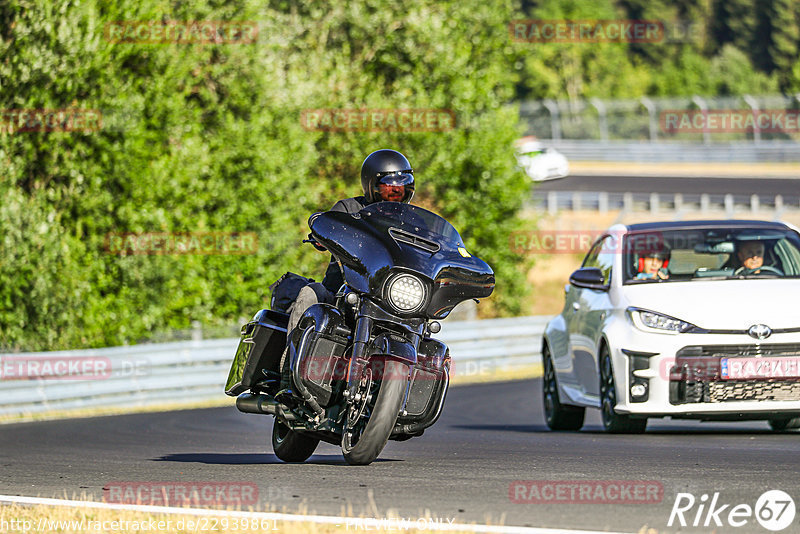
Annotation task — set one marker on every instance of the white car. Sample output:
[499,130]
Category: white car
[539,162]
[713,334]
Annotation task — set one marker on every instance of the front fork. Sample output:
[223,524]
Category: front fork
[358,358]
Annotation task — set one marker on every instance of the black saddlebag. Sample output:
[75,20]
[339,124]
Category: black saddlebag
[258,356]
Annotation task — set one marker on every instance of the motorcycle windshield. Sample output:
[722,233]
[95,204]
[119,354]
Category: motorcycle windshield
[413,219]
[389,236]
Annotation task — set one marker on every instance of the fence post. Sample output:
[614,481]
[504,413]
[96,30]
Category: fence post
[750,101]
[651,113]
[197,331]
[678,202]
[704,108]
[754,203]
[729,206]
[555,119]
[552,202]
[601,111]
[778,206]
[576,201]
[627,202]
[705,201]
[654,201]
[602,202]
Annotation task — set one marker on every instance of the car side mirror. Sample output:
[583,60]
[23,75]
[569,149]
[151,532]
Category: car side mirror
[588,278]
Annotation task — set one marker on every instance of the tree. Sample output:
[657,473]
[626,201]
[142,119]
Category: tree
[776,45]
[209,138]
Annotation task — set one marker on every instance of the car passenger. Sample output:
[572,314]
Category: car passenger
[652,265]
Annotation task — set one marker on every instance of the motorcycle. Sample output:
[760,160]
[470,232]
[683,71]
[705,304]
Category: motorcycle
[364,369]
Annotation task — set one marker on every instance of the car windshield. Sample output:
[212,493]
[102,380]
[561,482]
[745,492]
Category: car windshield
[655,256]
[412,218]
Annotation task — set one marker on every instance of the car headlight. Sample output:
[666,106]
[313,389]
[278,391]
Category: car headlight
[406,292]
[651,321]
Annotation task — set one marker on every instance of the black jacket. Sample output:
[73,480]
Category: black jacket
[333,276]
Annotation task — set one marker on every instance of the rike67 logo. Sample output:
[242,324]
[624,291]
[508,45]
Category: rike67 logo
[774,510]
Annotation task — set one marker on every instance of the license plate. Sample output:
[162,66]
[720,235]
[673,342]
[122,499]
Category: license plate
[743,368]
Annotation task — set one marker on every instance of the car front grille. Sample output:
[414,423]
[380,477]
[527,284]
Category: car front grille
[757,390]
[696,378]
[731,391]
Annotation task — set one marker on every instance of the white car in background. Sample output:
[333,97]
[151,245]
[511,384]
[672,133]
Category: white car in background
[539,162]
[704,337]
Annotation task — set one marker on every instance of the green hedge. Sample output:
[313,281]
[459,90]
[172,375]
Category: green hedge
[208,138]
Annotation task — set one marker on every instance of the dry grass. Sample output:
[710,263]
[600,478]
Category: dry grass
[727,170]
[497,375]
[82,520]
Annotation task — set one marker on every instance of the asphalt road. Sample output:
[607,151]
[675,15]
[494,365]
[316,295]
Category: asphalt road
[764,187]
[489,436]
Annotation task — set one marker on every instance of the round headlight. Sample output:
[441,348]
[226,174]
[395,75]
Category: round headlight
[406,292]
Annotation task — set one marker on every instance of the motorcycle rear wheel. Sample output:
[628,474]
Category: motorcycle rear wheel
[382,419]
[291,446]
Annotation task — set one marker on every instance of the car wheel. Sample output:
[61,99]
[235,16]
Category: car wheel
[612,421]
[781,425]
[558,416]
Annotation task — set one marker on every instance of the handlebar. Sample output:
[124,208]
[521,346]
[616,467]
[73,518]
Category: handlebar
[315,243]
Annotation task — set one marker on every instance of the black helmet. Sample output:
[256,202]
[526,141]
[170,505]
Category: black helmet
[387,175]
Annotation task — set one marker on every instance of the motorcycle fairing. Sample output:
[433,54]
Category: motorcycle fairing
[389,235]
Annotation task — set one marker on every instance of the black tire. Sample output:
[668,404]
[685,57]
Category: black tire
[557,416]
[613,422]
[383,417]
[781,425]
[291,446]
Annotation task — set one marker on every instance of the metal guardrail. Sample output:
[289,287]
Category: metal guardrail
[142,375]
[732,205]
[677,152]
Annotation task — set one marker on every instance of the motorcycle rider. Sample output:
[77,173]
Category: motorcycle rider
[386,175]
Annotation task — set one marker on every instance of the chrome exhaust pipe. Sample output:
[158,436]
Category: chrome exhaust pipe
[262,404]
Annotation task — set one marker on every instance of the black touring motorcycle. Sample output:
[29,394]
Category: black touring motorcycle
[364,370]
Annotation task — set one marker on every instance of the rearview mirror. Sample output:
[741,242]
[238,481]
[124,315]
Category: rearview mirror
[588,278]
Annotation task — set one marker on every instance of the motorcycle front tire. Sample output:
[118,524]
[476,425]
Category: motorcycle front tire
[383,417]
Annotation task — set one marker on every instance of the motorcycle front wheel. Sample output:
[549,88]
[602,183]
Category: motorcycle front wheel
[363,442]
